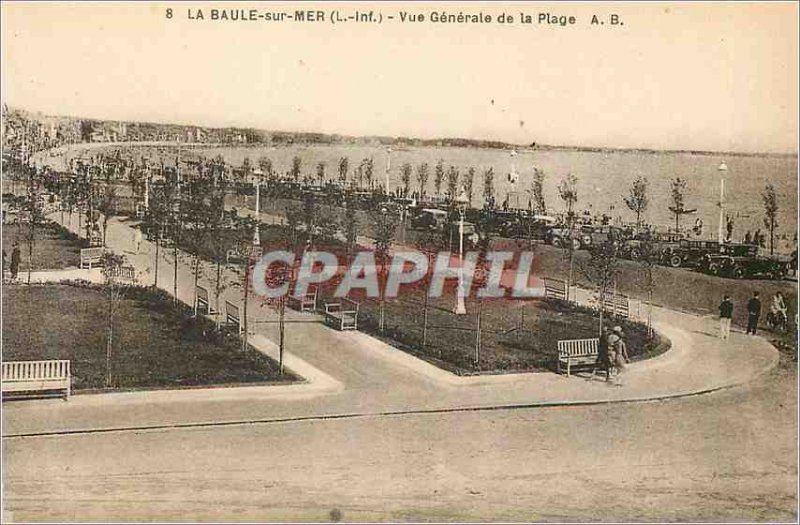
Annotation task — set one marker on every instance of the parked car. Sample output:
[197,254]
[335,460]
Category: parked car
[658,242]
[742,261]
[582,237]
[427,219]
[688,253]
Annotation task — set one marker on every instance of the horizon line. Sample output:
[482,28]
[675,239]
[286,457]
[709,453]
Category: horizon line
[568,147]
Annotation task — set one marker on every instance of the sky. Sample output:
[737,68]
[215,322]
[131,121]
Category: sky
[719,77]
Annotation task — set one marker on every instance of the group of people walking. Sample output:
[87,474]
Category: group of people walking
[777,316]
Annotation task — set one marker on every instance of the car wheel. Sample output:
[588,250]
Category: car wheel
[737,272]
[675,261]
[713,269]
[779,273]
[556,241]
[636,254]
[576,244]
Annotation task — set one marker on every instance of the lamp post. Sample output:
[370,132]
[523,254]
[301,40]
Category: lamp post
[461,203]
[256,235]
[722,169]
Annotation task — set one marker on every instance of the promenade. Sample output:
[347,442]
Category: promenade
[353,375]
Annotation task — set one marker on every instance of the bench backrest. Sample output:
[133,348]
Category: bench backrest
[618,304]
[555,288]
[202,294]
[35,370]
[231,313]
[578,347]
[92,253]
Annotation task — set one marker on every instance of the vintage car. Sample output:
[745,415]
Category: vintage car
[654,243]
[688,253]
[742,260]
[427,219]
[583,236]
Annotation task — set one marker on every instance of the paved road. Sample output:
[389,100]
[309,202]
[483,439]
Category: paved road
[729,455]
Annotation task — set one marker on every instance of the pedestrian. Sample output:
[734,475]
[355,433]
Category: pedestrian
[753,313]
[137,239]
[15,258]
[603,358]
[725,316]
[748,237]
[618,352]
[5,256]
[777,311]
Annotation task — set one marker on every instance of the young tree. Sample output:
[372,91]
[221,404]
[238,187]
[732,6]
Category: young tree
[488,187]
[678,207]
[384,226]
[637,199]
[770,214]
[422,178]
[369,170]
[438,177]
[34,211]
[321,173]
[452,182]
[296,163]
[343,167]
[537,190]
[601,270]
[469,181]
[350,227]
[405,178]
[107,206]
[247,168]
[115,288]
[568,191]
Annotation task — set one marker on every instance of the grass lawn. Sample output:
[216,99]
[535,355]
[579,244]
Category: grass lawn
[55,247]
[515,335]
[156,344]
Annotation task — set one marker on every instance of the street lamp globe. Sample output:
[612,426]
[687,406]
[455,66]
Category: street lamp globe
[722,166]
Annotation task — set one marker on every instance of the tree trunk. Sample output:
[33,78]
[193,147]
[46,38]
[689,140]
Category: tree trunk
[282,332]
[217,292]
[158,245]
[244,305]
[175,271]
[196,278]
[478,335]
[425,318]
[109,342]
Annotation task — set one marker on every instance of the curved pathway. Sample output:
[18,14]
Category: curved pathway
[350,374]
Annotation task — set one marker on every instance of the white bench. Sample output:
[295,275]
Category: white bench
[306,303]
[555,289]
[33,376]
[232,319]
[90,256]
[577,352]
[617,304]
[202,302]
[342,315]
[125,274]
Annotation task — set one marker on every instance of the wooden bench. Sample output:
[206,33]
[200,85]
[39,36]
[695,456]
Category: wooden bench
[124,274]
[618,305]
[34,376]
[342,315]
[202,303]
[232,319]
[577,352]
[90,256]
[555,288]
[306,303]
